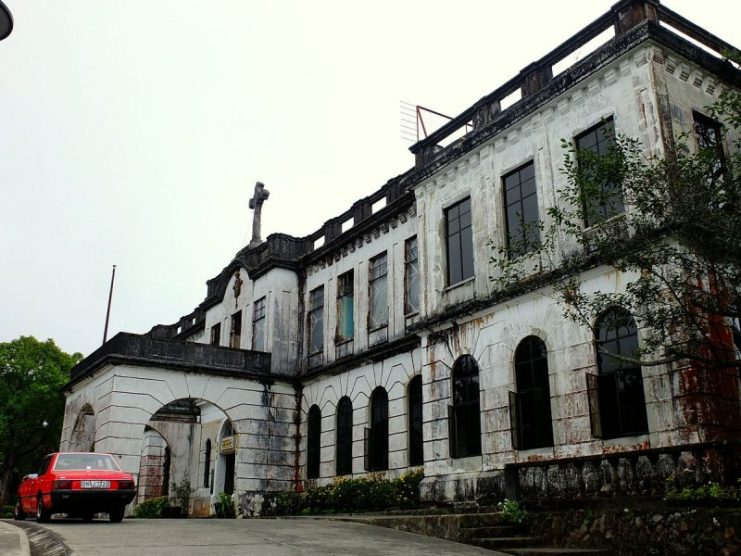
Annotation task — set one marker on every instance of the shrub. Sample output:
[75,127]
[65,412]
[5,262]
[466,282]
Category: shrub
[6,512]
[182,495]
[512,512]
[152,508]
[711,493]
[225,506]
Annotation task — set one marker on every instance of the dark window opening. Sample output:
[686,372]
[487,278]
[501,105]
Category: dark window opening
[616,399]
[416,455]
[604,199]
[313,442]
[521,211]
[344,436]
[377,437]
[464,416]
[207,464]
[235,334]
[229,465]
[411,276]
[258,325]
[709,134]
[459,241]
[216,334]
[166,460]
[530,406]
[378,307]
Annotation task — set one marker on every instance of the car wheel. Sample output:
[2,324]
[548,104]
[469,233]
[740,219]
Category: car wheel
[116,514]
[18,513]
[42,514]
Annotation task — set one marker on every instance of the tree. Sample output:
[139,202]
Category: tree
[32,374]
[678,244]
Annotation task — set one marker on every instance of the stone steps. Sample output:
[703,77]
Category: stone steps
[503,543]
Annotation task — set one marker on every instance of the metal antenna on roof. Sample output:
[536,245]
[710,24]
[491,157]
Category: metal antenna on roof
[108,310]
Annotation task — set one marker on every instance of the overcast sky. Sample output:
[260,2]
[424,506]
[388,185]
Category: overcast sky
[133,132]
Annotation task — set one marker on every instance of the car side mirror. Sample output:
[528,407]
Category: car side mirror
[31,476]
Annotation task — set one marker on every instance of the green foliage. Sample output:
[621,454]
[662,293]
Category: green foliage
[512,512]
[32,374]
[182,492]
[370,493]
[710,493]
[225,506]
[678,243]
[152,508]
[6,512]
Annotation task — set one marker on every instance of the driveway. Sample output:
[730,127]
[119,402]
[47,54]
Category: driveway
[262,537]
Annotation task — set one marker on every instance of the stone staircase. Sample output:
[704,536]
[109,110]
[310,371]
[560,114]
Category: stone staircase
[487,531]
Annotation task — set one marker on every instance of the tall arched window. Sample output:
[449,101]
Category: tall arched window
[313,442]
[344,436]
[377,437]
[616,400]
[207,464]
[530,406]
[464,419]
[414,391]
[166,460]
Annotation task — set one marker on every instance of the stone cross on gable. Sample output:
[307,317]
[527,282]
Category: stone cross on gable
[261,195]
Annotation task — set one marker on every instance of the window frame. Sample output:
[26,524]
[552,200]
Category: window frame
[344,440]
[414,409]
[215,334]
[315,320]
[528,245]
[464,415]
[530,410]
[377,435]
[459,232]
[235,330]
[378,287]
[259,316]
[411,277]
[313,442]
[346,279]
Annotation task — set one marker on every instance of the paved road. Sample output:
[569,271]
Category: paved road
[263,537]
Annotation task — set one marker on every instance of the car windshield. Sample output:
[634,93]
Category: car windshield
[85,461]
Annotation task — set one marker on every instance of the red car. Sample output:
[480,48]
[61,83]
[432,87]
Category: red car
[79,484]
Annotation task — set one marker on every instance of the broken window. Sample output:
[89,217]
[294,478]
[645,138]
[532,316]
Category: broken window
[414,392]
[345,307]
[377,436]
[530,406]
[216,334]
[710,142]
[258,325]
[316,320]
[603,198]
[521,211]
[344,436]
[235,334]
[411,276]
[378,310]
[313,442]
[616,399]
[464,419]
[460,241]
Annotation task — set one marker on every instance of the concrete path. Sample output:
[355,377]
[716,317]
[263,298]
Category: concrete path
[262,537]
[13,540]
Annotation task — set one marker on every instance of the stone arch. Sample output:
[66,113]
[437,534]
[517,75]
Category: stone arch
[83,432]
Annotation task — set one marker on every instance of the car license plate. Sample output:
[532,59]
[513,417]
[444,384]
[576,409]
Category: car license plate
[96,484]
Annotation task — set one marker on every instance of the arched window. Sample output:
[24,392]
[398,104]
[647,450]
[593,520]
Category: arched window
[530,406]
[313,442]
[414,391]
[377,437]
[207,464]
[344,437]
[464,419]
[616,401]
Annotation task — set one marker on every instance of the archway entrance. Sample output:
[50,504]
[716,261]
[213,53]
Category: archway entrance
[178,459]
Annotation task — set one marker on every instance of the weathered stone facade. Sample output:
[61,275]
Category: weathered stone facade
[296,323]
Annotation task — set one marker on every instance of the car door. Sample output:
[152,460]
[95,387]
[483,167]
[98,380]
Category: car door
[42,484]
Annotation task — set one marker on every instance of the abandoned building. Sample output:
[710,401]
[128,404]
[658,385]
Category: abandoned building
[378,343]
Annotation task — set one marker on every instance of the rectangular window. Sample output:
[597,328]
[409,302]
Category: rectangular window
[460,241]
[602,197]
[258,325]
[521,211]
[411,277]
[235,334]
[710,140]
[316,320]
[378,309]
[216,334]
[345,307]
